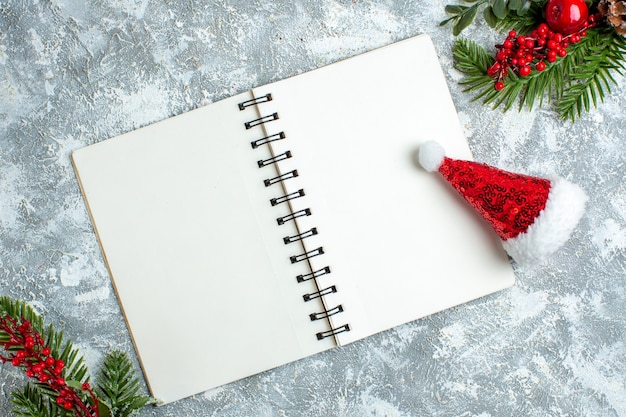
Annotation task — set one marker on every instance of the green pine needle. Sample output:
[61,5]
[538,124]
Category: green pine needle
[602,54]
[75,368]
[574,84]
[119,386]
[30,403]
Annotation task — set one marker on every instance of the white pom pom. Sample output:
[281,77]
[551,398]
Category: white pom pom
[431,155]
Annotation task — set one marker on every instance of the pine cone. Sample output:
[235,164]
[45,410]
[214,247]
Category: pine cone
[615,13]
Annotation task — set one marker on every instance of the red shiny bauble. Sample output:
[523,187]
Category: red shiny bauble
[566,16]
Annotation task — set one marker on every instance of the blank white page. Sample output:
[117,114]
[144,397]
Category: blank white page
[400,243]
[194,252]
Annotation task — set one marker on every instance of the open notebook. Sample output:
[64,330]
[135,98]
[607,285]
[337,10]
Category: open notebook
[288,220]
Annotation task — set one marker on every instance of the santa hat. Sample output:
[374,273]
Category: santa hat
[533,216]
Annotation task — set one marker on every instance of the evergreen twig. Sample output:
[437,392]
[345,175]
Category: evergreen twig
[117,383]
[603,54]
[30,403]
[574,83]
[35,394]
[119,386]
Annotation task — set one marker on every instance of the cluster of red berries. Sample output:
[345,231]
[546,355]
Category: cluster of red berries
[27,348]
[521,53]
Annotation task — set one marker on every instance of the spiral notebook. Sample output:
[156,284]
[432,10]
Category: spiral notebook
[287,220]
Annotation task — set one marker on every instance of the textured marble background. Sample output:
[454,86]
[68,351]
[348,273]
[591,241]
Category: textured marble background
[75,72]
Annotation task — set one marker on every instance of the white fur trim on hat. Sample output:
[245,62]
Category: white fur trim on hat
[553,225]
[431,155]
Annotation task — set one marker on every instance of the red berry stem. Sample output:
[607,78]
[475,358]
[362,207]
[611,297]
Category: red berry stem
[26,347]
[520,53]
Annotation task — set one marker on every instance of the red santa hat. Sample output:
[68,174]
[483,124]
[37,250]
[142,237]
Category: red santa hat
[533,216]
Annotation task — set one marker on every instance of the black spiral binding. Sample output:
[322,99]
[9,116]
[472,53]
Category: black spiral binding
[333,332]
[293,216]
[261,120]
[317,294]
[300,236]
[287,198]
[274,159]
[281,178]
[313,275]
[307,255]
[267,139]
[255,101]
[327,313]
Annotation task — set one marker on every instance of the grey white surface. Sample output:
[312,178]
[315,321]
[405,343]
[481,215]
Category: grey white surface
[74,73]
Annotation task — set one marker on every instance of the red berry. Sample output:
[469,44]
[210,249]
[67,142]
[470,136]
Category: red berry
[50,361]
[507,44]
[530,44]
[29,343]
[551,56]
[566,16]
[493,70]
[562,52]
[16,361]
[512,34]
[540,66]
[499,86]
[45,351]
[525,71]
[68,405]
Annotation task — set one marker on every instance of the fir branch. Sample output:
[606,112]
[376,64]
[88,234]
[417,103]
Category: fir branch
[118,384]
[62,388]
[470,58]
[75,368]
[41,394]
[29,403]
[603,54]
[574,83]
